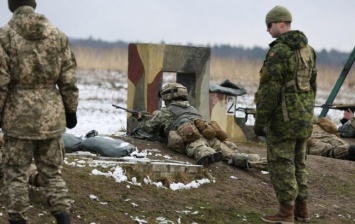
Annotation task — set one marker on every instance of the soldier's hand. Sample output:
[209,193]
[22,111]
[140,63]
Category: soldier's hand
[348,114]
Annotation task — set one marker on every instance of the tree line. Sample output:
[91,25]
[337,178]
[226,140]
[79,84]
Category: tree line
[331,57]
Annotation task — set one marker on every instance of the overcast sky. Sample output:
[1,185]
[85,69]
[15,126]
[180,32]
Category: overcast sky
[329,24]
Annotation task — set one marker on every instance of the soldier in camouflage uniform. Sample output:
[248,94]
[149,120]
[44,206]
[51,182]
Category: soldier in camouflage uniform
[38,100]
[347,129]
[206,150]
[284,102]
[325,141]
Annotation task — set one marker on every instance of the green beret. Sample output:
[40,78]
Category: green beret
[14,4]
[278,14]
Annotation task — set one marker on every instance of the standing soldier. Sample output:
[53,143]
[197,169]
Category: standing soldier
[284,102]
[38,99]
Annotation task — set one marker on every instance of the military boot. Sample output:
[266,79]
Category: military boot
[284,216]
[209,159]
[62,218]
[35,180]
[22,221]
[301,211]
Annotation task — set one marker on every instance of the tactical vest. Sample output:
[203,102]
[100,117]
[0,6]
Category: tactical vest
[302,75]
[182,115]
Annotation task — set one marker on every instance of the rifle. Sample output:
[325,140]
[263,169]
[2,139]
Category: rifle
[343,107]
[133,112]
[247,111]
[338,106]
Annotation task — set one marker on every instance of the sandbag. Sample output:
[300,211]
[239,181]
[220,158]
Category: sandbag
[327,125]
[107,146]
[72,143]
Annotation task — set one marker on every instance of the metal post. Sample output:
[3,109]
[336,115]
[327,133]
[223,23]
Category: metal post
[339,83]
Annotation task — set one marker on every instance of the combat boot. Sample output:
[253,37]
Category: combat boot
[301,211]
[209,159]
[62,218]
[35,180]
[17,221]
[284,216]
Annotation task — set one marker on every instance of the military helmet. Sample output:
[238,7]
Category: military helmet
[277,14]
[173,91]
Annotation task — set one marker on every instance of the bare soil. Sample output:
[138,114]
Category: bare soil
[242,199]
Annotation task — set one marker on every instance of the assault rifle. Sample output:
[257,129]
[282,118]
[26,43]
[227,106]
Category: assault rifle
[343,107]
[247,111]
[133,112]
[338,106]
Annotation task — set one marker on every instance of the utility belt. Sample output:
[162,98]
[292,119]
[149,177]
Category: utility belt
[192,131]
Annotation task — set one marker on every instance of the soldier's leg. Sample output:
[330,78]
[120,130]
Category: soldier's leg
[199,148]
[300,169]
[49,157]
[280,157]
[227,148]
[236,158]
[301,208]
[203,154]
[17,157]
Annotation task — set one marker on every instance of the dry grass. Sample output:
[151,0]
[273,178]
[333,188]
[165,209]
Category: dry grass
[242,71]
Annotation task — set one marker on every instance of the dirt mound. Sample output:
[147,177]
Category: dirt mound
[237,196]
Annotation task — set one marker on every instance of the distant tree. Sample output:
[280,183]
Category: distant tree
[332,57]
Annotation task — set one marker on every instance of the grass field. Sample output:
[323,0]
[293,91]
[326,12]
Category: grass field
[241,71]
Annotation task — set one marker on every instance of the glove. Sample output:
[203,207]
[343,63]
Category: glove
[259,130]
[343,120]
[71,120]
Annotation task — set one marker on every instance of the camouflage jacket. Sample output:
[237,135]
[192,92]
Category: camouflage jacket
[278,69]
[165,119]
[37,77]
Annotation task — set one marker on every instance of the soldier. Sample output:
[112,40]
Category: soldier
[38,100]
[347,129]
[325,141]
[183,128]
[284,113]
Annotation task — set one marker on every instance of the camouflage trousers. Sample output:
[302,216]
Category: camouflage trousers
[333,147]
[48,156]
[203,147]
[287,169]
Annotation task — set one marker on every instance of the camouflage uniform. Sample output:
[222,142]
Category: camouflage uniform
[285,113]
[347,130]
[164,120]
[37,88]
[325,143]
